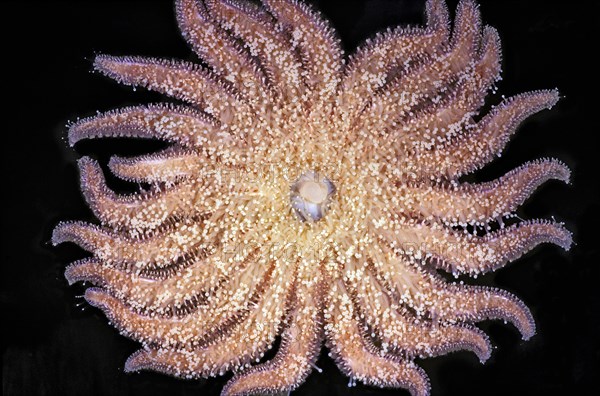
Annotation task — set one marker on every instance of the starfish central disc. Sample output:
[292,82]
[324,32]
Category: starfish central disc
[311,195]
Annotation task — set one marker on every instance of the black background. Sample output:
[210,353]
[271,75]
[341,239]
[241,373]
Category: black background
[50,346]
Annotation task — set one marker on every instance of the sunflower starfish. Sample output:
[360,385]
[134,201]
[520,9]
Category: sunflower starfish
[309,197]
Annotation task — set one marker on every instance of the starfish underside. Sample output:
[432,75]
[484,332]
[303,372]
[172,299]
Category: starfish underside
[209,264]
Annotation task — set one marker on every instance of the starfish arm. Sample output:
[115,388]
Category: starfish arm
[265,40]
[461,253]
[484,141]
[115,275]
[156,251]
[471,203]
[374,63]
[219,49]
[442,117]
[143,295]
[182,125]
[357,357]
[466,34]
[426,78]
[418,340]
[190,332]
[320,49]
[202,286]
[181,80]
[398,330]
[143,211]
[476,303]
[430,296]
[300,344]
[168,166]
[236,346]
[180,292]
[192,327]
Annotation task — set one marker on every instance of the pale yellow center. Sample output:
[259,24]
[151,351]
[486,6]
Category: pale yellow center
[313,191]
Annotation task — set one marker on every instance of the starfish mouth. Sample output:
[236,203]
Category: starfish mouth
[311,195]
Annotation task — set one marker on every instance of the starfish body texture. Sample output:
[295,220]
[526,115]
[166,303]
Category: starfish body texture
[310,197]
